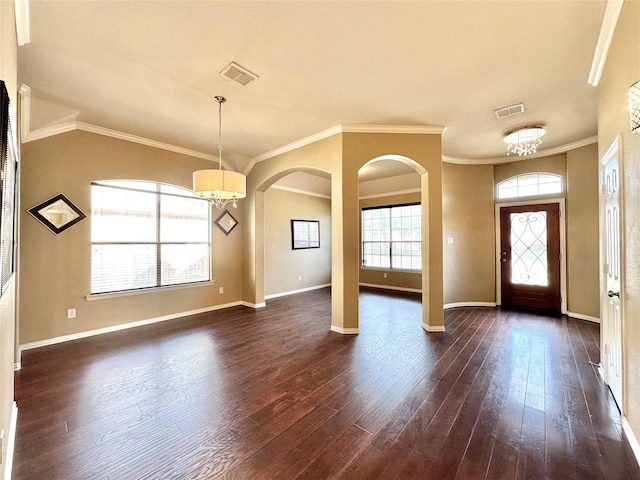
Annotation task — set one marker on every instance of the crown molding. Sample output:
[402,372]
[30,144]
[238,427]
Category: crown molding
[27,135]
[57,129]
[607,29]
[509,159]
[390,194]
[407,129]
[316,137]
[299,191]
[23,23]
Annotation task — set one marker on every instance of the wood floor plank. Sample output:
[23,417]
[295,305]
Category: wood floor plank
[272,393]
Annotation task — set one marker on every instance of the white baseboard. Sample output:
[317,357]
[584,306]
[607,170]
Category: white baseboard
[391,287]
[123,326]
[580,316]
[11,441]
[293,292]
[469,304]
[345,331]
[253,305]
[633,441]
[431,329]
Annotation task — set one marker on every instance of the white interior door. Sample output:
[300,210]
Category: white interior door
[612,311]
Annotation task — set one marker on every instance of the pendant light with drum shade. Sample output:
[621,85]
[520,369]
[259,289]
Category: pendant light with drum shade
[219,186]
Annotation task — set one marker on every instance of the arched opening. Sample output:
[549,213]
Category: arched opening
[392,237]
[301,195]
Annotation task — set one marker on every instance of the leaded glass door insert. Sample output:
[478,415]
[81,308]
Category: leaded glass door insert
[530,256]
[529,248]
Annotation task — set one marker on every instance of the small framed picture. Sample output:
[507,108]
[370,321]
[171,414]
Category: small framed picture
[305,234]
[226,222]
[58,213]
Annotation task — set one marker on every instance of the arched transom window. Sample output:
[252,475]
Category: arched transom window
[530,185]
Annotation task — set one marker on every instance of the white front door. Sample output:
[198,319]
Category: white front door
[612,311]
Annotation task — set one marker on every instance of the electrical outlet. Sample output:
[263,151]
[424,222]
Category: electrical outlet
[299,278]
[71,313]
[384,274]
[221,290]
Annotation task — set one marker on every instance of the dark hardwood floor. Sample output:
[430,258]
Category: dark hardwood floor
[273,394]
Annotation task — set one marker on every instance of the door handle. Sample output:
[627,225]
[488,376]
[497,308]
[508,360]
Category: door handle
[503,260]
[611,293]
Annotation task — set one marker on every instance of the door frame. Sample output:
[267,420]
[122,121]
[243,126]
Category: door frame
[563,246]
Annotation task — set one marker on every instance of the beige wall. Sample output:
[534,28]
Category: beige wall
[395,279]
[623,69]
[583,284]
[468,219]
[578,169]
[8,73]
[288,270]
[55,269]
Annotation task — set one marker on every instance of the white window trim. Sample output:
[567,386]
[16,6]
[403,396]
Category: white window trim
[92,297]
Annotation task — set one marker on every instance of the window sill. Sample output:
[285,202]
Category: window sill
[389,270]
[143,291]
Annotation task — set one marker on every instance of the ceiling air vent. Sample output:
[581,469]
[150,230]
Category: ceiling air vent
[238,74]
[508,111]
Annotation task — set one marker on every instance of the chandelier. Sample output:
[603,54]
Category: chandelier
[219,186]
[524,140]
[634,107]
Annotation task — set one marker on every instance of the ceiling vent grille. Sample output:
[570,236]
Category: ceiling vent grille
[508,111]
[238,74]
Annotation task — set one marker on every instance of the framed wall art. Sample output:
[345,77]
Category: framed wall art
[58,213]
[226,222]
[305,234]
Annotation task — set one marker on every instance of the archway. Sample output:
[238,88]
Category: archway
[256,219]
[393,236]
[301,261]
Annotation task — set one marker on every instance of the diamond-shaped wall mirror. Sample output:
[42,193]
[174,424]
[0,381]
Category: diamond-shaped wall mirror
[226,222]
[58,213]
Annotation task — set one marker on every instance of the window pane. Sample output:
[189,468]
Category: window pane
[185,263]
[119,215]
[555,187]
[183,219]
[375,254]
[529,248]
[122,267]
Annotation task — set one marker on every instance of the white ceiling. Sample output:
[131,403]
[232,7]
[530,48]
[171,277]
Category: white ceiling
[152,69]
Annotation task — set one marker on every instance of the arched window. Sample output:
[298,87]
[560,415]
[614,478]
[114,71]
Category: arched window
[530,185]
[146,235]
